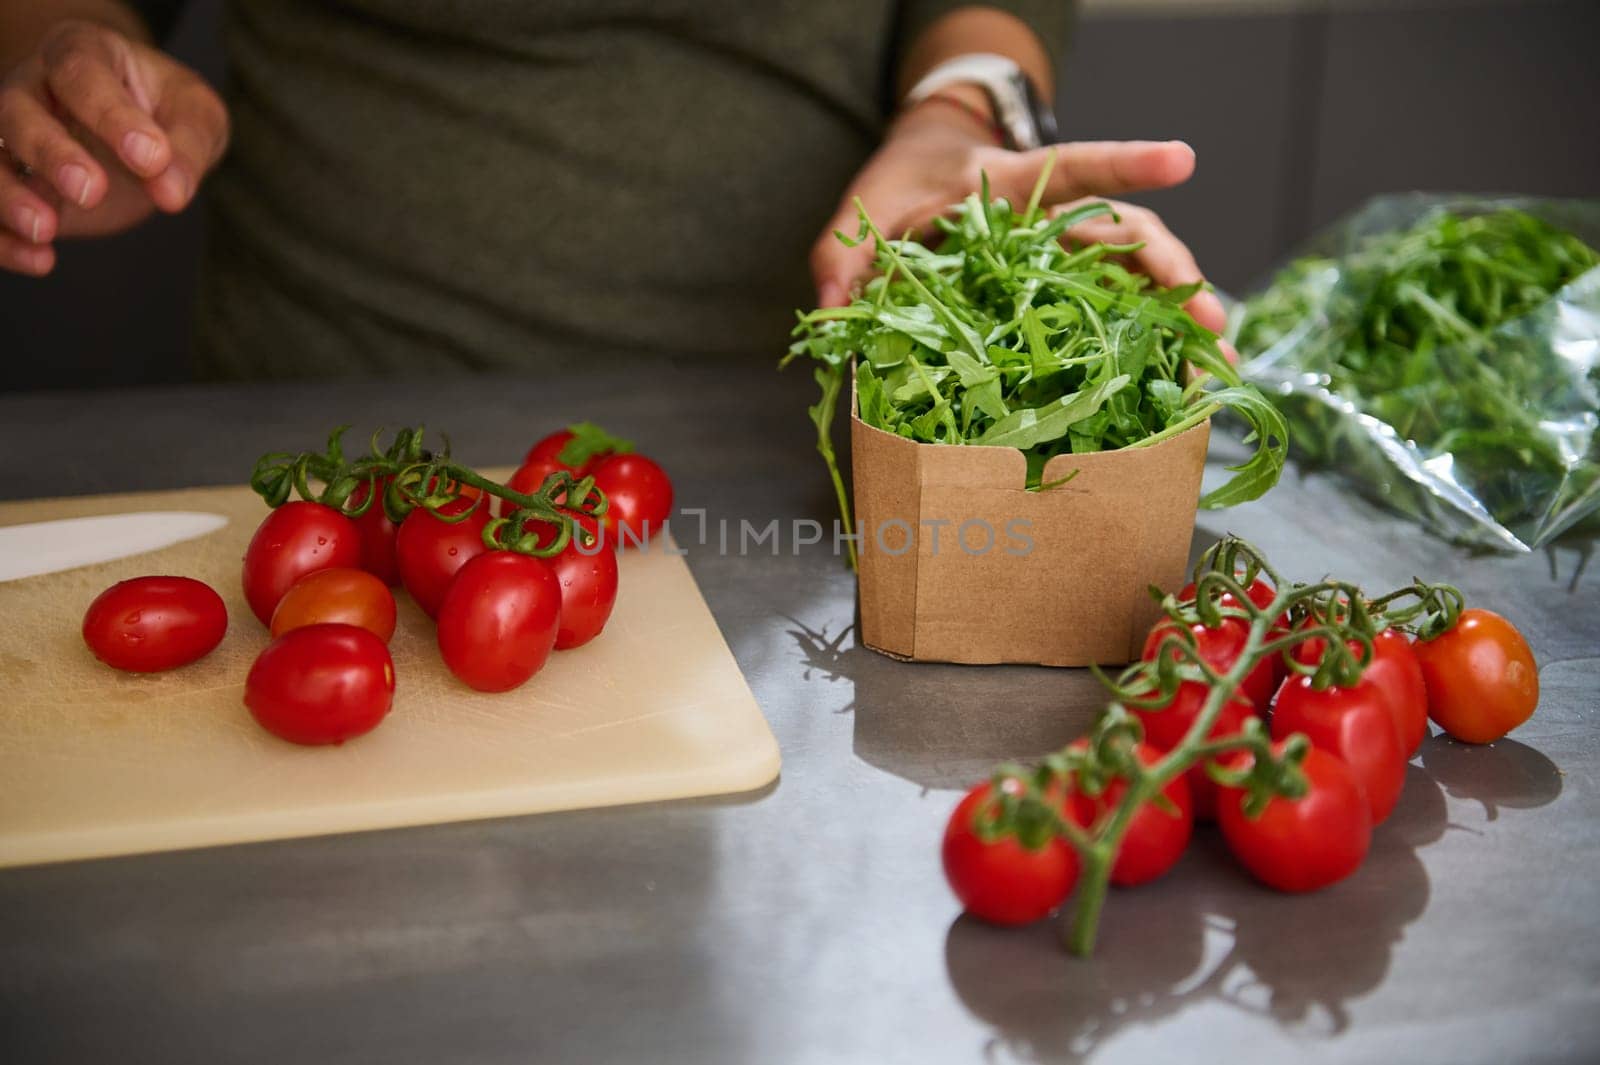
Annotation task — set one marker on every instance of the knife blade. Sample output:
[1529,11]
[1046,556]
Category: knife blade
[40,547]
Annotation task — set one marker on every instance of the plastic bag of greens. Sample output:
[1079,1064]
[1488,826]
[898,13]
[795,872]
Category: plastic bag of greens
[1444,354]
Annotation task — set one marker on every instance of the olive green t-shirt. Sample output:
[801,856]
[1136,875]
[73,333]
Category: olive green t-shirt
[428,185]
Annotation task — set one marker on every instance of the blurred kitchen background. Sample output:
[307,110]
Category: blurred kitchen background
[1299,110]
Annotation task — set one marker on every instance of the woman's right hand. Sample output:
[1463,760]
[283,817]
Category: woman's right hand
[99,132]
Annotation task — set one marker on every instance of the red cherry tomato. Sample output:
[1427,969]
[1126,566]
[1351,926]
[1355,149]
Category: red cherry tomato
[548,449]
[499,620]
[1263,685]
[338,597]
[377,536]
[1260,592]
[640,496]
[1395,669]
[593,444]
[295,539]
[1155,838]
[1165,728]
[1004,882]
[321,684]
[149,624]
[431,550]
[588,576]
[1307,843]
[531,475]
[1220,647]
[1397,673]
[1481,678]
[1353,724]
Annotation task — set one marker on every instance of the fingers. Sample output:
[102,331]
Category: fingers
[24,257]
[1164,258]
[1207,310]
[197,128]
[81,72]
[33,136]
[1102,168]
[24,211]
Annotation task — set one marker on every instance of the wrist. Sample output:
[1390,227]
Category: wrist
[960,105]
[1021,114]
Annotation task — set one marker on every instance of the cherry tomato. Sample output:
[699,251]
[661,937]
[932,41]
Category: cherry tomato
[431,550]
[149,624]
[593,442]
[1004,882]
[1220,647]
[377,536]
[532,474]
[1481,678]
[1155,838]
[1395,670]
[640,496]
[1166,727]
[548,449]
[1353,724]
[499,620]
[295,539]
[340,597]
[1307,843]
[588,576]
[321,684]
[1261,594]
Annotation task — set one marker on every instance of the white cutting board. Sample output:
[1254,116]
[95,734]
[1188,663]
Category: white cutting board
[95,762]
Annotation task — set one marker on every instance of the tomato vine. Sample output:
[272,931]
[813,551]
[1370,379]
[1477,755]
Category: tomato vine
[407,475]
[1025,803]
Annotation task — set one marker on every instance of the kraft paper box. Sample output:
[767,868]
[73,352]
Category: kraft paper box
[959,563]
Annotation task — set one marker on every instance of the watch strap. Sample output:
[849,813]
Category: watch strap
[1022,115]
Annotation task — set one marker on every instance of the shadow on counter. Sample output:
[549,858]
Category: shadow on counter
[1206,934]
[946,726]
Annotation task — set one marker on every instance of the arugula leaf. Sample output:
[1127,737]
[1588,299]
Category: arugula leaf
[1028,428]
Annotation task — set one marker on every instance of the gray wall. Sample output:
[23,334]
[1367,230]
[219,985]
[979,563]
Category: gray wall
[1297,116]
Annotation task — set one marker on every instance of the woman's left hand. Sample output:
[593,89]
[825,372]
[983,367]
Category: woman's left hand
[933,157]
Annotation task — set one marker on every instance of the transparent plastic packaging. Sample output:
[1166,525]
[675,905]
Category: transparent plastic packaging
[1487,437]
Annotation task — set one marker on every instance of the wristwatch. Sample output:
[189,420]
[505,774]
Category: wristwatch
[1025,119]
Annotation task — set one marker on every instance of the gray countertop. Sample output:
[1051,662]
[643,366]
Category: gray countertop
[810,922]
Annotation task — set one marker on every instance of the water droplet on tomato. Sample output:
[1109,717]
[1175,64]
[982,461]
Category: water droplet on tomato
[133,618]
[321,540]
[452,552]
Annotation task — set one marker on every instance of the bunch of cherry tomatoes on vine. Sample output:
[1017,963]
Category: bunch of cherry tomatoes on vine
[1285,712]
[508,573]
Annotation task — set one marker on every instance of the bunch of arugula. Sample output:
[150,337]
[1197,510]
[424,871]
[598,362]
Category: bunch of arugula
[1436,330]
[1002,336]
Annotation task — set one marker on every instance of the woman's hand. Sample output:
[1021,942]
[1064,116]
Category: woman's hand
[933,157]
[99,131]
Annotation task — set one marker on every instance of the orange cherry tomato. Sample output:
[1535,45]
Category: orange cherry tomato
[337,597]
[1481,678]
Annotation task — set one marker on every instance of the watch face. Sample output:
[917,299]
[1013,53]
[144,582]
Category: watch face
[1044,115]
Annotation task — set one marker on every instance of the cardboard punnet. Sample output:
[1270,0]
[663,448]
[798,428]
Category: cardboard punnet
[960,563]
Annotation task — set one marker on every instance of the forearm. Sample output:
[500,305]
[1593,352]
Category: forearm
[976,29]
[24,23]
